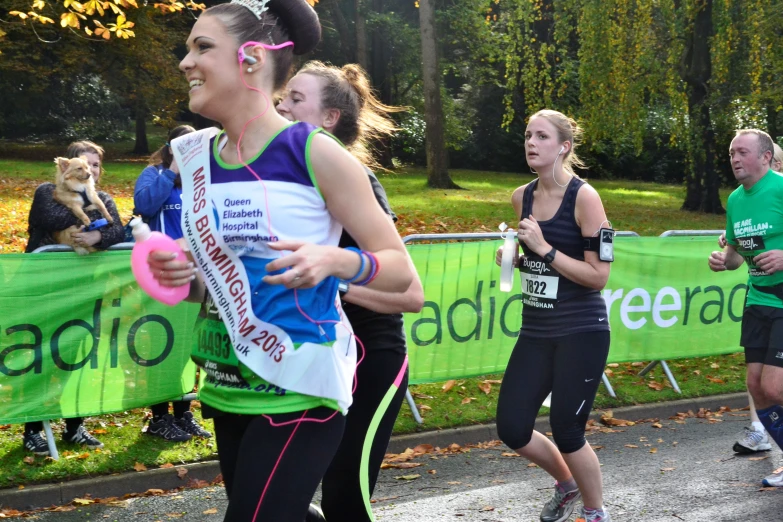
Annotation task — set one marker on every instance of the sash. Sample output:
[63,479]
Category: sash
[319,370]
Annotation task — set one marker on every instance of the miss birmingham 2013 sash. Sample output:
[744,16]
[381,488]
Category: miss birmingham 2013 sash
[312,369]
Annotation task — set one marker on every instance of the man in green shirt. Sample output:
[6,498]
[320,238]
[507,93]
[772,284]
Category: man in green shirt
[754,235]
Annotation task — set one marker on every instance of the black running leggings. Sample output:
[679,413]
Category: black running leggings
[180,407]
[570,367]
[342,499]
[249,447]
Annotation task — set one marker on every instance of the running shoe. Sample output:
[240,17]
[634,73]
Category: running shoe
[167,429]
[35,443]
[561,505]
[775,480]
[83,437]
[188,424]
[593,515]
[752,441]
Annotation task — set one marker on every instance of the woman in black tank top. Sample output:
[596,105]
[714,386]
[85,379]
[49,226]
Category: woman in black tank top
[564,340]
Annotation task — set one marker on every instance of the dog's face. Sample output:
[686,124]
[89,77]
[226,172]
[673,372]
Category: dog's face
[74,169]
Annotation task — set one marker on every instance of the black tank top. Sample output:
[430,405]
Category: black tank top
[553,305]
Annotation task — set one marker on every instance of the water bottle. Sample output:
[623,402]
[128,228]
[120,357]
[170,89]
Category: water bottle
[510,250]
[146,242]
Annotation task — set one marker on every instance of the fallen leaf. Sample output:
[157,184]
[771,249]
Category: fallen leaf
[655,386]
[631,446]
[100,431]
[139,467]
[668,469]
[83,501]
[657,425]
[448,385]
[181,472]
[453,483]
[29,460]
[433,472]
[211,511]
[167,465]
[509,454]
[613,365]
[697,372]
[716,380]
[714,366]
[532,465]
[467,400]
[759,458]
[485,387]
[487,508]
[408,477]
[400,465]
[424,407]
[653,450]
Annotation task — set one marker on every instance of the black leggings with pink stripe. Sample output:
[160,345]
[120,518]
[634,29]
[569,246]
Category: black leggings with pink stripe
[248,449]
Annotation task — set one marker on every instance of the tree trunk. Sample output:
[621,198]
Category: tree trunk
[437,155]
[703,181]
[142,146]
[361,35]
[346,48]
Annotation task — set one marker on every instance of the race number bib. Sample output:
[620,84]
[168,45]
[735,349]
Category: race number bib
[543,287]
[540,283]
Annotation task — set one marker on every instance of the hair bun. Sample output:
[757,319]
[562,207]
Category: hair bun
[302,23]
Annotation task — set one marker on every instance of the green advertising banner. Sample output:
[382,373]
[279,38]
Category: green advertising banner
[78,337]
[664,303]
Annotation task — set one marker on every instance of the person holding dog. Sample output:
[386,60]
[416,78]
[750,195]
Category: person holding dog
[46,217]
[157,197]
[264,204]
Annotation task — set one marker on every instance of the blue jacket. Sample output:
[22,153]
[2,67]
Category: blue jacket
[158,201]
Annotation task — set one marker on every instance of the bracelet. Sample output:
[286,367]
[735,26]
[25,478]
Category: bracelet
[375,268]
[361,267]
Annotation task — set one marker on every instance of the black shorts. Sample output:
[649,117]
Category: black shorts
[762,335]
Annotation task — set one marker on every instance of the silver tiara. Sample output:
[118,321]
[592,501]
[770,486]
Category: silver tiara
[256,6]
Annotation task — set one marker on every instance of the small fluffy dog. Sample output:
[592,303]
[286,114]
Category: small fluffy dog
[75,189]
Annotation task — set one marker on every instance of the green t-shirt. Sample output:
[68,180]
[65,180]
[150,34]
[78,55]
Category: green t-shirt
[232,387]
[754,224]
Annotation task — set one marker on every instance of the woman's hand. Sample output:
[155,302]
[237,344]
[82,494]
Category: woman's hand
[306,266]
[530,233]
[168,271]
[86,239]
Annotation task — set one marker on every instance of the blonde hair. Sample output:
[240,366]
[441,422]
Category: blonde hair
[567,130]
[363,117]
[778,158]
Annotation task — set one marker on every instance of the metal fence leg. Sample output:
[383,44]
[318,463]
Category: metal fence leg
[666,371]
[608,385]
[414,409]
[648,368]
[50,440]
[670,377]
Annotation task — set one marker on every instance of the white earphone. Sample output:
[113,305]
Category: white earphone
[553,168]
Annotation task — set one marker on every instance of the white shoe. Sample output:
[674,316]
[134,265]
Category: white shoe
[752,441]
[775,480]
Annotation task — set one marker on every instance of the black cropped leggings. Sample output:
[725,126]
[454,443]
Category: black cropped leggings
[249,448]
[570,367]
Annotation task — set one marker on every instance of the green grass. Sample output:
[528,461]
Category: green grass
[645,208]
[124,446]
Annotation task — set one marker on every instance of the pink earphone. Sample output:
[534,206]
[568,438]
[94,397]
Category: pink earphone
[242,57]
